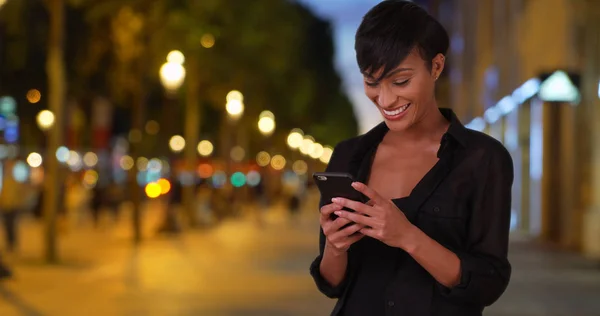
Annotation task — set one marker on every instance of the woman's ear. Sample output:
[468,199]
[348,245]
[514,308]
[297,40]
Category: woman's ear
[437,65]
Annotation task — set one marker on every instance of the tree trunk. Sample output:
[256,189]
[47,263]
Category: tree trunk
[191,135]
[55,69]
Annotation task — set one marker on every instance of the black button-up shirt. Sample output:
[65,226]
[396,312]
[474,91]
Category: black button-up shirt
[463,202]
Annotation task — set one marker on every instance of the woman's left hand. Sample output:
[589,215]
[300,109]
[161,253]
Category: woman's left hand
[383,220]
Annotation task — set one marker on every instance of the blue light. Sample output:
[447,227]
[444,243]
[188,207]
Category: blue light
[238,179]
[253,178]
[219,179]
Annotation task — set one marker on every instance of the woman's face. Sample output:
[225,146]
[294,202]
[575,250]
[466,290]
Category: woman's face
[406,94]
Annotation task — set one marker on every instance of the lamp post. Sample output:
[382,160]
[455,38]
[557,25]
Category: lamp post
[172,75]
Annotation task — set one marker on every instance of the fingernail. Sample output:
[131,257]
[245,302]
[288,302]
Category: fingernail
[338,213]
[355,184]
[336,200]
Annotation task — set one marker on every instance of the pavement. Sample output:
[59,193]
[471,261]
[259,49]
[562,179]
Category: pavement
[240,267]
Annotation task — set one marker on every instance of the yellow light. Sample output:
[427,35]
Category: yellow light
[278,162]
[307,145]
[142,164]
[295,138]
[177,143]
[235,95]
[326,156]
[300,167]
[90,159]
[165,185]
[172,76]
[266,125]
[237,153]
[34,160]
[235,108]
[34,96]
[152,127]
[153,190]
[317,151]
[263,159]
[175,57]
[207,40]
[205,148]
[90,178]
[45,119]
[126,162]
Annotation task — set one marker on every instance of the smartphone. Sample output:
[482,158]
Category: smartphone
[335,184]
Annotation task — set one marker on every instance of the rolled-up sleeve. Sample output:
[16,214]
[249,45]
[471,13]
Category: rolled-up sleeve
[485,269]
[337,163]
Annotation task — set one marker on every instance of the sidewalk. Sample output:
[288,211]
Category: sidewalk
[236,268]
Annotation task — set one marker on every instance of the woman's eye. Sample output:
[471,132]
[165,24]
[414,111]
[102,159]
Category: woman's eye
[401,83]
[371,84]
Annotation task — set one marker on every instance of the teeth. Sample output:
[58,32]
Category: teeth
[397,111]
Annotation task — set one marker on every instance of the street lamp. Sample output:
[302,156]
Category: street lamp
[266,123]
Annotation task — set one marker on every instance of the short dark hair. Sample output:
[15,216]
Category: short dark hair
[391,30]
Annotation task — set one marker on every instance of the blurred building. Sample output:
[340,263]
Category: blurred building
[527,72]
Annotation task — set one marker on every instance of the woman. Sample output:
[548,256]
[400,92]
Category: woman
[433,238]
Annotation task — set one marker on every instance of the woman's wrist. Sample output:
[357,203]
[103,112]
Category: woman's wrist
[334,252]
[411,239]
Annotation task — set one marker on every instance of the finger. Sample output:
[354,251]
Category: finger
[328,209]
[346,232]
[370,203]
[339,223]
[354,205]
[357,218]
[368,231]
[370,193]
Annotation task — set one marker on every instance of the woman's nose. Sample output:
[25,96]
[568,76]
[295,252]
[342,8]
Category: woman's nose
[386,98]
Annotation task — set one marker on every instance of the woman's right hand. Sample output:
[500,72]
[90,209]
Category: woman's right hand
[338,239]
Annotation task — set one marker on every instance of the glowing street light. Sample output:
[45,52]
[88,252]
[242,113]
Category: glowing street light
[326,156]
[205,148]
[172,73]
[295,138]
[307,145]
[45,119]
[177,143]
[317,151]
[266,123]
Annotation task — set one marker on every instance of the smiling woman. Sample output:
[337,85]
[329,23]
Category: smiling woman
[433,238]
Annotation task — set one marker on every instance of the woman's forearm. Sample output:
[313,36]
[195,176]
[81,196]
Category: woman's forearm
[441,263]
[333,266]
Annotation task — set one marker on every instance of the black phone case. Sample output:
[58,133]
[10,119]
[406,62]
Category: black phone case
[333,184]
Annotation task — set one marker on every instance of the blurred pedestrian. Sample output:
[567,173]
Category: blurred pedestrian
[14,198]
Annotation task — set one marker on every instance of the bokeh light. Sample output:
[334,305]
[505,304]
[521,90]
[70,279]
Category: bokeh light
[205,148]
[45,119]
[34,160]
[278,162]
[20,171]
[237,153]
[165,185]
[34,96]
[142,164]
[154,165]
[90,179]
[177,143]
[238,179]
[300,167]
[219,179]
[152,127]
[235,95]
[126,162]
[327,153]
[205,171]
[263,159]
[90,159]
[62,154]
[176,57]
[207,40]
[153,190]
[295,138]
[317,151]
[307,145]
[253,178]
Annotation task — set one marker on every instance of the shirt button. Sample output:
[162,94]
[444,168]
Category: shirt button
[391,303]
[436,209]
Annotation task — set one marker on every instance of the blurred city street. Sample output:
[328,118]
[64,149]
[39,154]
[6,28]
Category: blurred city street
[242,267]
